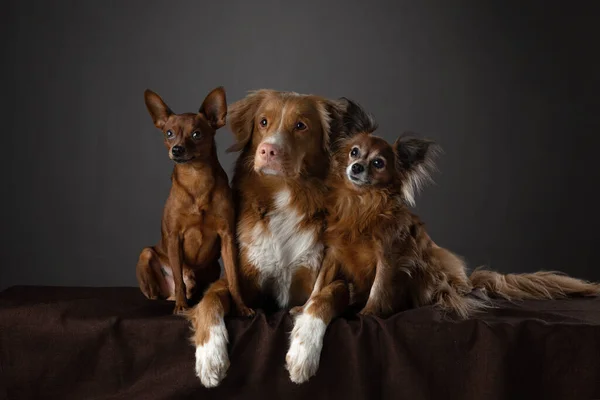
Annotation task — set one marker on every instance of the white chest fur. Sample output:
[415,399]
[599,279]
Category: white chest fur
[278,248]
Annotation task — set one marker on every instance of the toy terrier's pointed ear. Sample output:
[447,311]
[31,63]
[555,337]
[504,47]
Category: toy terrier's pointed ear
[157,108]
[214,108]
[415,160]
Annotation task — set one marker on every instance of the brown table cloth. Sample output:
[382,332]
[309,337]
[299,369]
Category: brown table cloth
[112,343]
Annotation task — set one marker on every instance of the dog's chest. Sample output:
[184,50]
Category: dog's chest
[281,245]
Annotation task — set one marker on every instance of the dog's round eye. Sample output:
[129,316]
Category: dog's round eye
[300,126]
[196,135]
[378,163]
[169,134]
[354,152]
[263,122]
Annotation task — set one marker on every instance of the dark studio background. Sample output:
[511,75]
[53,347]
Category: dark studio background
[509,90]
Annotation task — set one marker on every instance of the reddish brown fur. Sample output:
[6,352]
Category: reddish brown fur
[384,251]
[380,254]
[198,218]
[306,165]
[300,170]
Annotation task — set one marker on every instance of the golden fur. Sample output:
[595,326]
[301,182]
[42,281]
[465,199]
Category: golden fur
[284,184]
[381,248]
[379,254]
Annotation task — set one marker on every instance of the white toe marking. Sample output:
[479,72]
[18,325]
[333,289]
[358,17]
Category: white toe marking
[212,360]
[305,349]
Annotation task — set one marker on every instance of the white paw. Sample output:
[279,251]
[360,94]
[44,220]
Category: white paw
[302,359]
[212,360]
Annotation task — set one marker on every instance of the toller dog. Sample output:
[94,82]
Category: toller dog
[382,250]
[279,192]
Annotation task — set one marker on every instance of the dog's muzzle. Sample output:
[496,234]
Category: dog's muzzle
[357,174]
[268,159]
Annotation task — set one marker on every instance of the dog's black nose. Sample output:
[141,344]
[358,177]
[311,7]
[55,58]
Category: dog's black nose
[357,168]
[177,151]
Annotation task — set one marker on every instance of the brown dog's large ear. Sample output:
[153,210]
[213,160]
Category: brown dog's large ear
[157,108]
[415,160]
[241,118]
[214,108]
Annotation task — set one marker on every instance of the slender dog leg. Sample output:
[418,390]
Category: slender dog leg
[229,256]
[327,274]
[149,276]
[174,251]
[380,295]
[302,359]
[210,334]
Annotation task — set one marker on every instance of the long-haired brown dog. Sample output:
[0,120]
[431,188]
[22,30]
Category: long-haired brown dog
[383,251]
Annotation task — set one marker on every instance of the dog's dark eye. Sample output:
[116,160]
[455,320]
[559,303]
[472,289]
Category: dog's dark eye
[300,126]
[196,135]
[169,134]
[378,163]
[263,122]
[354,152]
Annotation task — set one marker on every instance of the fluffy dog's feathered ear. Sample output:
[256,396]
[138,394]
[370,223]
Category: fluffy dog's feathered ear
[356,119]
[350,118]
[241,118]
[415,160]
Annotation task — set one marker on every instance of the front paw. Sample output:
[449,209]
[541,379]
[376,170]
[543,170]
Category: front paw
[302,358]
[368,311]
[180,309]
[244,311]
[212,360]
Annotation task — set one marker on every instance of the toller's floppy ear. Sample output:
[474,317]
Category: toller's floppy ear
[241,118]
[332,112]
[356,119]
[157,108]
[214,108]
[415,160]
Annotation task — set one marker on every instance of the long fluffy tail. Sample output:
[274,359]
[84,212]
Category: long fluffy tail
[543,285]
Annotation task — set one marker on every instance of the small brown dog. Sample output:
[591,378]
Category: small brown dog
[383,252]
[400,267]
[198,220]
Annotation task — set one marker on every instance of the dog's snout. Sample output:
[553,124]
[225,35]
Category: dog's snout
[178,151]
[357,168]
[268,151]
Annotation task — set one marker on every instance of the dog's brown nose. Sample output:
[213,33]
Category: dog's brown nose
[268,151]
[178,151]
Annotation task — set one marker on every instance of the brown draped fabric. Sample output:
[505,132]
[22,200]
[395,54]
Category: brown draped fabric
[112,343]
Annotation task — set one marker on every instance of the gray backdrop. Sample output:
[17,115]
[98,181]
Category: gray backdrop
[507,89]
